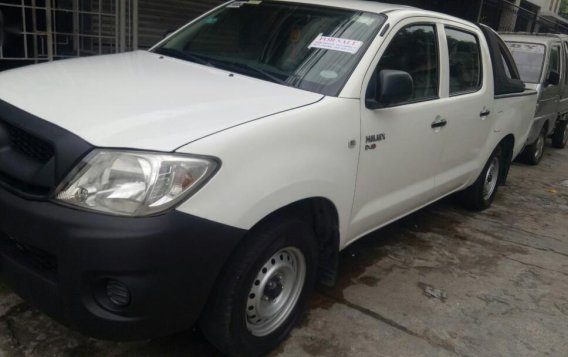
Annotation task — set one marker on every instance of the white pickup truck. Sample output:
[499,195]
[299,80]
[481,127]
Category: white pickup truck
[216,177]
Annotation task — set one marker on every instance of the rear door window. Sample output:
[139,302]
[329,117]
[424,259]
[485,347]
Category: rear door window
[465,61]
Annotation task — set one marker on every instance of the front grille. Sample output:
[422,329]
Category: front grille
[37,258]
[35,155]
[28,144]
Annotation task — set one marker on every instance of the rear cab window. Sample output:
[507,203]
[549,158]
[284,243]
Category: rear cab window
[530,60]
[465,61]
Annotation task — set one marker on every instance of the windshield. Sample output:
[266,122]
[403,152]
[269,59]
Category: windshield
[314,48]
[529,58]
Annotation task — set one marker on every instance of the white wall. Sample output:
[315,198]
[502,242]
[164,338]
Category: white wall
[547,6]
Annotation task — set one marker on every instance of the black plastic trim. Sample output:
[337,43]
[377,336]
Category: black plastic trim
[32,180]
[527,92]
[58,259]
[502,84]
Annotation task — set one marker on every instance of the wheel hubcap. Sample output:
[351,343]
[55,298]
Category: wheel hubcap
[275,291]
[539,147]
[491,179]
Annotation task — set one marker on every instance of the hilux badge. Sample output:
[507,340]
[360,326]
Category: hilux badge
[371,141]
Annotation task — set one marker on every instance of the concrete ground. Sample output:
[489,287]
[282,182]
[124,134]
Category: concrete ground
[441,282]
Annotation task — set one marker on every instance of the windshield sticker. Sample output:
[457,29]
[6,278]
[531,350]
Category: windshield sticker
[367,20]
[211,20]
[526,47]
[329,74]
[336,44]
[238,4]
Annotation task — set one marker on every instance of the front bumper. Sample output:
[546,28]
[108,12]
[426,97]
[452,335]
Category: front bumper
[58,259]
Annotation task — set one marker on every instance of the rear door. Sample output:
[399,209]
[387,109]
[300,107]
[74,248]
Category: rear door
[467,107]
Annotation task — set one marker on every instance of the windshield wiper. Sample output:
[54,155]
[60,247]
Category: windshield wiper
[267,75]
[170,52]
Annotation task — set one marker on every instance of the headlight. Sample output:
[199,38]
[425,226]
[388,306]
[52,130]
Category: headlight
[134,183]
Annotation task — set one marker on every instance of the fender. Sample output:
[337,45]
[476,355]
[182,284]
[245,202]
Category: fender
[273,162]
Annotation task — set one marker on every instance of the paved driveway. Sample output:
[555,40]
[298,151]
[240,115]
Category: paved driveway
[443,281]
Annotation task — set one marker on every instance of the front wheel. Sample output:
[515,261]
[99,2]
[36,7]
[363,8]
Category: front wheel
[260,295]
[480,195]
[560,136]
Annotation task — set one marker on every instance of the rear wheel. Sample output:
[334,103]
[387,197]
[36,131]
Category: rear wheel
[560,136]
[263,290]
[533,153]
[480,195]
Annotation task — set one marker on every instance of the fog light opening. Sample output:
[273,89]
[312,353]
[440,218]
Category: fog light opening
[118,293]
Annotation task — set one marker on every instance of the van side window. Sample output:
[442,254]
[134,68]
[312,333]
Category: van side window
[414,49]
[465,61]
[566,59]
[554,60]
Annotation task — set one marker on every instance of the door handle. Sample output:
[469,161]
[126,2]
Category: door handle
[485,113]
[439,123]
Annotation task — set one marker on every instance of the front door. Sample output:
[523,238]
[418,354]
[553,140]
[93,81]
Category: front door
[400,144]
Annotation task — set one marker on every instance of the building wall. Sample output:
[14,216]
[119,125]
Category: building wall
[157,18]
[465,9]
[548,6]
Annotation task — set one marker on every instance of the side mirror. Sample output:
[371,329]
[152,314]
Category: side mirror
[553,78]
[389,87]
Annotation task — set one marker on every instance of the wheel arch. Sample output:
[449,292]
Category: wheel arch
[507,144]
[548,124]
[322,215]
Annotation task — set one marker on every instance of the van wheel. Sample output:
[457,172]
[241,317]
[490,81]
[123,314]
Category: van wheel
[534,152]
[263,289]
[560,136]
[480,195]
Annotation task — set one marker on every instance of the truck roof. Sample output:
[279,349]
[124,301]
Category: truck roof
[380,8]
[544,39]
[368,6]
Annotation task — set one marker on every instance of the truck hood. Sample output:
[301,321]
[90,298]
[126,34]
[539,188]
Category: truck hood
[142,100]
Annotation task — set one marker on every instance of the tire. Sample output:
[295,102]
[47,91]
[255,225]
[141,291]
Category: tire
[560,136]
[533,153]
[271,262]
[480,195]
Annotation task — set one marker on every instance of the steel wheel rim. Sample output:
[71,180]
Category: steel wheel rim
[539,147]
[491,178]
[275,291]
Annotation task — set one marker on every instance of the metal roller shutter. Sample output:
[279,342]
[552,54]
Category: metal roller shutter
[156,18]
